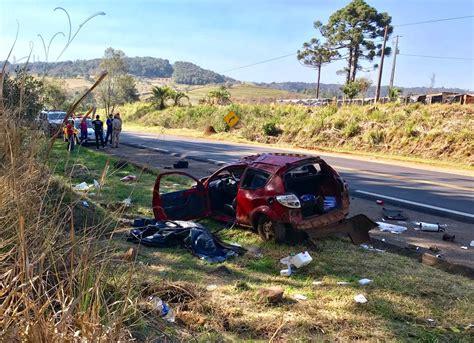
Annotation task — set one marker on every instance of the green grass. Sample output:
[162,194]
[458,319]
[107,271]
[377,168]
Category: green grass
[403,296]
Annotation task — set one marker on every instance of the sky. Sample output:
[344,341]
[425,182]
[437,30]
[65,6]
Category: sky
[225,34]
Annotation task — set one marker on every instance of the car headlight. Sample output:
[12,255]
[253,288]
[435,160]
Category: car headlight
[289,200]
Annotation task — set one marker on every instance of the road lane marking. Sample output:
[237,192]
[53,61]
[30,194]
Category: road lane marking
[441,209]
[404,178]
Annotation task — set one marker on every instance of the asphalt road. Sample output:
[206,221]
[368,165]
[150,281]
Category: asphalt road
[445,194]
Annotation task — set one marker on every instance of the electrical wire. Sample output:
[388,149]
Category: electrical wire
[434,21]
[439,57]
[260,62]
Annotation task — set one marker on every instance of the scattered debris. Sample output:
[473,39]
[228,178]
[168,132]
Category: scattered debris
[360,298]
[413,247]
[130,254]
[129,178]
[449,238]
[187,234]
[364,282]
[391,228]
[83,187]
[435,249]
[393,214]
[211,288]
[181,164]
[96,184]
[300,297]
[127,202]
[429,227]
[379,202]
[431,322]
[370,248]
[85,204]
[464,247]
[471,244]
[343,283]
[271,294]
[163,309]
[298,260]
[318,283]
[439,256]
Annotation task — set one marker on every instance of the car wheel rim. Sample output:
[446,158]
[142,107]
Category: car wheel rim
[267,230]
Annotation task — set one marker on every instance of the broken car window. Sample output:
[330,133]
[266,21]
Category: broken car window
[255,179]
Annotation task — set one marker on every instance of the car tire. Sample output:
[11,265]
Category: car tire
[271,230]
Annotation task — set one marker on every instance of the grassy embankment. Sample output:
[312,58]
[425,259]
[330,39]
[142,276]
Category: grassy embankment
[403,296]
[436,134]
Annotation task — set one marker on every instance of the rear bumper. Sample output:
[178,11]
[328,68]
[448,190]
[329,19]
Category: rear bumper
[315,222]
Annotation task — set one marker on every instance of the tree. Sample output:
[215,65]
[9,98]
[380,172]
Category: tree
[127,90]
[315,55]
[160,95]
[393,93]
[22,93]
[354,29]
[177,96]
[54,94]
[220,96]
[351,89]
[114,62]
[364,85]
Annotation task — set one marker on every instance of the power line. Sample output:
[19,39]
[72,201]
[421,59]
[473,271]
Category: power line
[434,21]
[439,57]
[260,62]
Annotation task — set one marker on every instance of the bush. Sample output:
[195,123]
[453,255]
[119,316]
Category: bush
[351,129]
[271,129]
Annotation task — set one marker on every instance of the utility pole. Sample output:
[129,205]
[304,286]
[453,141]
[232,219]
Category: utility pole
[379,81]
[392,76]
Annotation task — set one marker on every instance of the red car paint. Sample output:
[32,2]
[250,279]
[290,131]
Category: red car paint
[250,204]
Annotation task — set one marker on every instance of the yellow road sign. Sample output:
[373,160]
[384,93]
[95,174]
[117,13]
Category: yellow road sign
[231,119]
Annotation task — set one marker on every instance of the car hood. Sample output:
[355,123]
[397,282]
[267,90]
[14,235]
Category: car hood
[56,121]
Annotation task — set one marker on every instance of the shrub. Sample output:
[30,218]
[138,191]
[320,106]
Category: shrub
[374,136]
[270,129]
[351,129]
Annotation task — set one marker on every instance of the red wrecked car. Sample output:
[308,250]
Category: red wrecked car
[279,195]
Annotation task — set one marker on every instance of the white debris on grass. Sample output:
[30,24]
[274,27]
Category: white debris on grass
[370,248]
[360,298]
[364,282]
[343,283]
[300,297]
[317,283]
[211,288]
[127,202]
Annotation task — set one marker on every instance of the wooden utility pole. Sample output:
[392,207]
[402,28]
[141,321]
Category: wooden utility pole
[379,81]
[392,76]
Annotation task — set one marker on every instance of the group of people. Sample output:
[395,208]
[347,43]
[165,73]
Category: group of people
[114,128]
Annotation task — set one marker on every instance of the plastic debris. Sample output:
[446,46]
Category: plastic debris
[370,248]
[429,227]
[393,214]
[85,204]
[96,184]
[300,297]
[360,298]
[299,260]
[127,202]
[464,247]
[449,238]
[471,244]
[165,311]
[329,203]
[364,282]
[343,283]
[211,288]
[318,283]
[83,186]
[439,256]
[379,202]
[129,178]
[286,272]
[391,228]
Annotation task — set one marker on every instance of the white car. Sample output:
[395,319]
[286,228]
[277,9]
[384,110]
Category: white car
[90,130]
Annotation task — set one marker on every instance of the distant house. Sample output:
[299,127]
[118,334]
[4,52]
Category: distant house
[438,97]
[461,98]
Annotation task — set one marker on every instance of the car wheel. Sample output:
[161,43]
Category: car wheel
[271,230]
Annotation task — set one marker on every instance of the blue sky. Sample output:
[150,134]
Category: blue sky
[221,35]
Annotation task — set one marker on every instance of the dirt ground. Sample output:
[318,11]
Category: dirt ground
[449,251]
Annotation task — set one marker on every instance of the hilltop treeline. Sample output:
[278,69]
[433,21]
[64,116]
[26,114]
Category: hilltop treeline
[149,67]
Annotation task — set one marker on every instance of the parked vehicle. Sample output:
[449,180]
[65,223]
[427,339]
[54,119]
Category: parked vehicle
[90,129]
[278,195]
[51,121]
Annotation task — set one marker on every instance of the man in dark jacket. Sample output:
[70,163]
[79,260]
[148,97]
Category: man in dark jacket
[108,136]
[99,131]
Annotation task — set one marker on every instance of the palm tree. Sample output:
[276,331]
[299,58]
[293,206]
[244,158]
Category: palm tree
[177,96]
[160,95]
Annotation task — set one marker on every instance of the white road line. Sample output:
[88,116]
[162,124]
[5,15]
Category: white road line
[441,209]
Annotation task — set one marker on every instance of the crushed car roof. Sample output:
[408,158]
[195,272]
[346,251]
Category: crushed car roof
[276,159]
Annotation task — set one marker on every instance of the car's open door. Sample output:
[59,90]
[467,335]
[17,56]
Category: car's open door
[184,204]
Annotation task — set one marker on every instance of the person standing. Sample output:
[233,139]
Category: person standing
[83,126]
[70,135]
[109,123]
[99,131]
[116,129]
